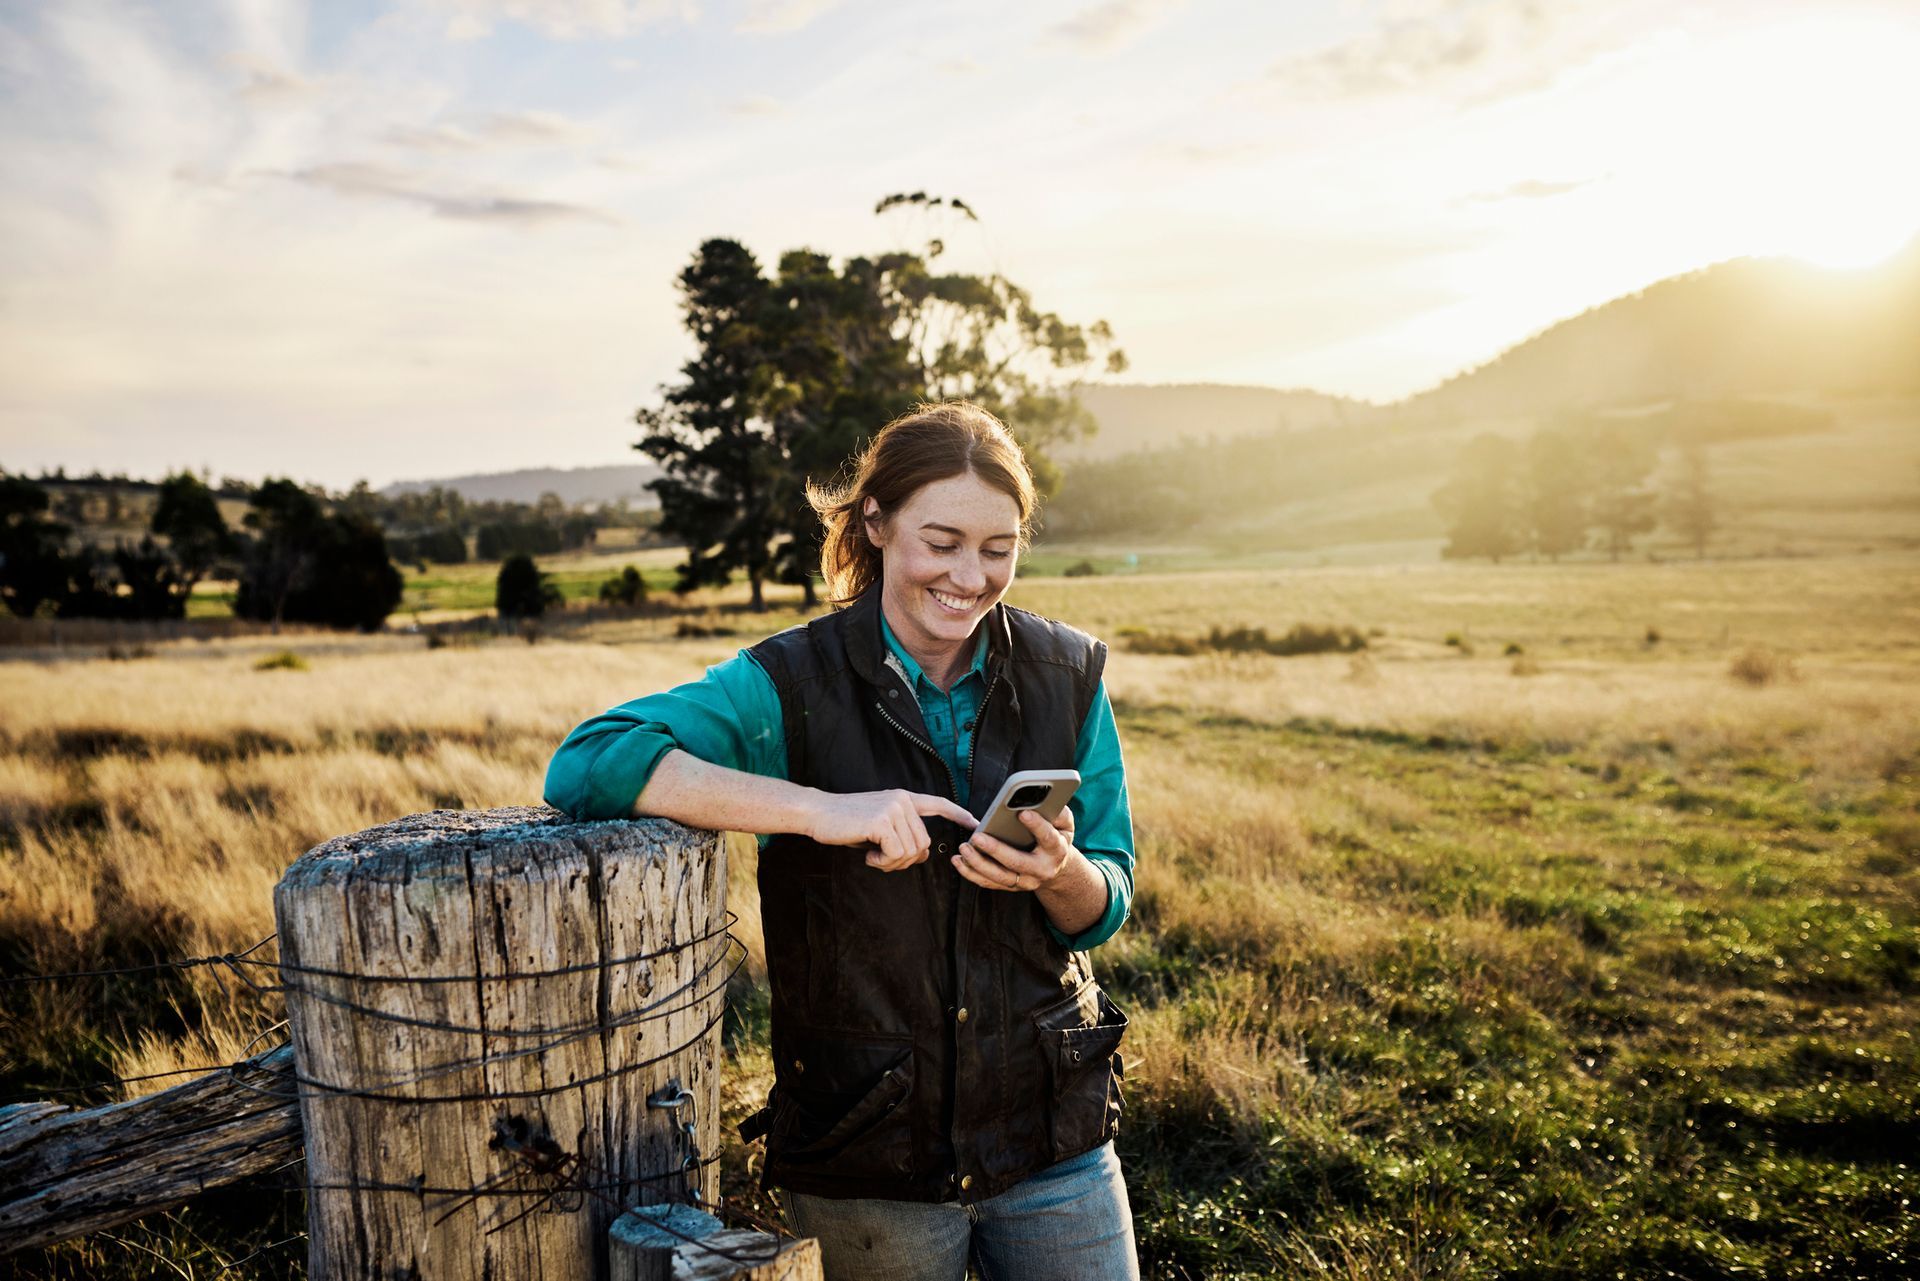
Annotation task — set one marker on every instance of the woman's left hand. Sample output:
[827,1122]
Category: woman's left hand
[995,865]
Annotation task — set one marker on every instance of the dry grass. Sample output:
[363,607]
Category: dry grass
[1364,884]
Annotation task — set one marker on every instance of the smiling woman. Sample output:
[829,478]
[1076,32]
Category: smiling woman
[946,1069]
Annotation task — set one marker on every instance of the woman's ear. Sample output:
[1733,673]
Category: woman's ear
[871,522]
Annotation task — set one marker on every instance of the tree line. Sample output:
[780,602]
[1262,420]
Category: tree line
[1571,488]
[796,367]
[293,558]
[299,554]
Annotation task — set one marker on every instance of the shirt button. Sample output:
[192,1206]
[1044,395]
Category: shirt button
[966,1182]
[799,1067]
[960,1015]
[943,847]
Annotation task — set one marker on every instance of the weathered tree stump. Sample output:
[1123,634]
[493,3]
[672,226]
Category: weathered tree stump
[481,1005]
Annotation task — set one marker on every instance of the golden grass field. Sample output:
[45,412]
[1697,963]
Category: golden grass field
[1589,959]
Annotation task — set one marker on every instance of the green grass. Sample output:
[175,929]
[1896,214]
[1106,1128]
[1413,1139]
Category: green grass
[1724,1081]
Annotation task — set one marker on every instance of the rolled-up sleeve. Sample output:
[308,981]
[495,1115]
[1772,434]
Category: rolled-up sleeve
[1102,820]
[730,717]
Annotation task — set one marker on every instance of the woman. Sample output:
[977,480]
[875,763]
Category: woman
[946,1074]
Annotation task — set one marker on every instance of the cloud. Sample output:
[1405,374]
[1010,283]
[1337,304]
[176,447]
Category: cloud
[270,86]
[756,105]
[500,129]
[364,180]
[1209,154]
[1531,189]
[769,17]
[1111,24]
[1490,47]
[560,19]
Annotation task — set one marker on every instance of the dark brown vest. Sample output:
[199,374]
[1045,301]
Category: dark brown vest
[931,1040]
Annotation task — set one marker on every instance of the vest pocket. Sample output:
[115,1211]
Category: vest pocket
[1079,1042]
[838,1107]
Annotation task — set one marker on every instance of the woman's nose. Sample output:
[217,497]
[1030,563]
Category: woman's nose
[968,575]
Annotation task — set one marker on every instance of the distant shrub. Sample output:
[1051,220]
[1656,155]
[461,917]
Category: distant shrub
[1081,569]
[1514,649]
[625,588]
[436,641]
[1301,638]
[699,630]
[522,591]
[285,661]
[1653,635]
[1762,666]
[1455,640]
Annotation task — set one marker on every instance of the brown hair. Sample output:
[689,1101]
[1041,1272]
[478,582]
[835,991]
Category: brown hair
[933,442]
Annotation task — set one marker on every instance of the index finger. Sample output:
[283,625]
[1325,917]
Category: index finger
[945,808]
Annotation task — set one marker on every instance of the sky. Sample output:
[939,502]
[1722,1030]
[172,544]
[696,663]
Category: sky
[347,239]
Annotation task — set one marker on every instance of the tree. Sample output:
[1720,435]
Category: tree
[522,591]
[305,565]
[1619,461]
[1482,502]
[712,436]
[1556,502]
[793,372]
[33,565]
[1690,507]
[285,520]
[156,585]
[353,583]
[188,516]
[626,588]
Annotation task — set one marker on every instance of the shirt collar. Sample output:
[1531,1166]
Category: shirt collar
[913,672]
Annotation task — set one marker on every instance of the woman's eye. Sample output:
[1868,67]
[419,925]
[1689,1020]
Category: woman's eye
[941,547]
[998,555]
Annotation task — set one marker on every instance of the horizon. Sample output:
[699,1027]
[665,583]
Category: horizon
[366,240]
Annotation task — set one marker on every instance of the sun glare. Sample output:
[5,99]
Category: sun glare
[1818,143]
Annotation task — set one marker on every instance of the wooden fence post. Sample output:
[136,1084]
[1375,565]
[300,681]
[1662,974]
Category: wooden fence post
[481,1004]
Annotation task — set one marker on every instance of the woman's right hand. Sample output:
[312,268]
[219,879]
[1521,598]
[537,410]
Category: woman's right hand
[889,821]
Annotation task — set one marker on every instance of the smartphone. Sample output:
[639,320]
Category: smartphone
[1045,791]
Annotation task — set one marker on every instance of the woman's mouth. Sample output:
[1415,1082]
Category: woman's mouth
[954,604]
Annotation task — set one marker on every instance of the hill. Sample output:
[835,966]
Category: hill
[576,486]
[1745,328]
[1803,382]
[1143,416]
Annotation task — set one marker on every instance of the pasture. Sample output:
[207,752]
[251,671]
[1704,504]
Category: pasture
[1530,942]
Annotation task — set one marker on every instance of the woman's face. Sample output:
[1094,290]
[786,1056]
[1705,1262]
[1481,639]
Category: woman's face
[947,558]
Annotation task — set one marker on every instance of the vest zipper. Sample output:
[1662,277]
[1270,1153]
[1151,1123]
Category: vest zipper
[953,785]
[979,719]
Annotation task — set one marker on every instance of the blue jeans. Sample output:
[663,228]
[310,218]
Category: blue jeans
[1069,1222]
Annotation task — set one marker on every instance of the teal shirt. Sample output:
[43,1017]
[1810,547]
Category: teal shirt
[731,717]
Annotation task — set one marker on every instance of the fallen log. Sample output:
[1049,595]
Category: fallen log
[67,1171]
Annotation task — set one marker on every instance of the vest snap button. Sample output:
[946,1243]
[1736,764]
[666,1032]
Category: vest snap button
[966,1182]
[960,1015]
[893,693]
[943,847]
[799,1067]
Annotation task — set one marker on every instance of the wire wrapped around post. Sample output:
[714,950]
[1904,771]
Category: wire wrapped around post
[481,1004]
